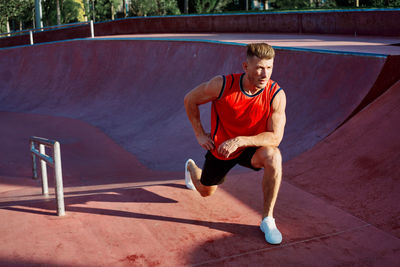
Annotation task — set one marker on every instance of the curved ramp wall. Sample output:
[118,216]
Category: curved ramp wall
[364,156]
[133,90]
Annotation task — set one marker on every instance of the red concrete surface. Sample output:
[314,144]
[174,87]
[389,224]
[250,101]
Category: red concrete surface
[116,106]
[364,178]
[119,100]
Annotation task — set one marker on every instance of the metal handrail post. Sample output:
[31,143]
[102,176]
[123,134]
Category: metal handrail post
[45,186]
[59,181]
[54,162]
[31,37]
[34,167]
[91,29]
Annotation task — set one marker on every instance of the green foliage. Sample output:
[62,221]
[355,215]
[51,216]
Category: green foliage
[103,9]
[153,7]
[100,10]
[345,3]
[365,3]
[304,4]
[292,4]
[329,4]
[14,8]
[379,3]
[210,6]
[71,11]
[18,11]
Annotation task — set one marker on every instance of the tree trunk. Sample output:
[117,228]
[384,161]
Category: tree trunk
[87,10]
[112,10]
[124,7]
[186,7]
[58,12]
[8,25]
[93,9]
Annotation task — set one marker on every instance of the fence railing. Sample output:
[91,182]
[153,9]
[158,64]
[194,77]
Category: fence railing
[54,161]
[31,32]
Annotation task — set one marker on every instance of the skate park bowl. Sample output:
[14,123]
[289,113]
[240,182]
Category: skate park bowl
[115,104]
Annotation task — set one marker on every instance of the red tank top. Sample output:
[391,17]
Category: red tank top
[236,113]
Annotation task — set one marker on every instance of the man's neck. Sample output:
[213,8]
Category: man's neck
[248,87]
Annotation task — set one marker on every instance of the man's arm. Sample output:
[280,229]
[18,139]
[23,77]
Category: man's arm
[202,94]
[273,137]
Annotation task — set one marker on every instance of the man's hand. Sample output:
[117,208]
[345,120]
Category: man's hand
[229,146]
[205,141]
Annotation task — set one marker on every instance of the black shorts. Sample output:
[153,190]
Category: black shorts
[215,170]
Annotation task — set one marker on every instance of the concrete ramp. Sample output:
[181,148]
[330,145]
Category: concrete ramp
[133,90]
[356,168]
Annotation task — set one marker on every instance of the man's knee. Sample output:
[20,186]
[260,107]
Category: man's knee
[206,191]
[270,158]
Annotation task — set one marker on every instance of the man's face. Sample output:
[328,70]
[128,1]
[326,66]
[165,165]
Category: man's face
[258,71]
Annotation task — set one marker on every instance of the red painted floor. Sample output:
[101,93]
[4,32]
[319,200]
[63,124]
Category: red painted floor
[116,106]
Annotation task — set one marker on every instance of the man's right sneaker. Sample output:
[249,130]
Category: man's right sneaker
[188,178]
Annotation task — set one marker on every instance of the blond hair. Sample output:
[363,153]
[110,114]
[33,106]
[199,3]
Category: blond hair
[260,50]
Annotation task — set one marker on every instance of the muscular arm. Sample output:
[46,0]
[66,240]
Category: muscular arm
[273,137]
[202,94]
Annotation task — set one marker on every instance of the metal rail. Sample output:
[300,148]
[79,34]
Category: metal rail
[54,162]
[51,28]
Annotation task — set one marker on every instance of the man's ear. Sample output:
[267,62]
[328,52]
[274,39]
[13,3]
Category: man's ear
[245,65]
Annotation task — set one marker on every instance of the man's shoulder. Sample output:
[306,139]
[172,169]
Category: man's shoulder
[233,74]
[274,87]
[231,79]
[274,84]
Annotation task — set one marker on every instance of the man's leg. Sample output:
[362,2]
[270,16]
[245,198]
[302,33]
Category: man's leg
[270,159]
[195,173]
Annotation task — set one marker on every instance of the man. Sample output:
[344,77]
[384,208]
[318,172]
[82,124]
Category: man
[247,124]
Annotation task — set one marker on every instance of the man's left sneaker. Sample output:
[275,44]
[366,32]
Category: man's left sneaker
[272,234]
[188,178]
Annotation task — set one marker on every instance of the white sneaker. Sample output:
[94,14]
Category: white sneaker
[272,234]
[188,178]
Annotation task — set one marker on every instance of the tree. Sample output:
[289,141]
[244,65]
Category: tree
[210,6]
[69,11]
[379,3]
[72,11]
[292,4]
[18,12]
[368,3]
[58,11]
[154,7]
[105,9]
[101,10]
[124,8]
